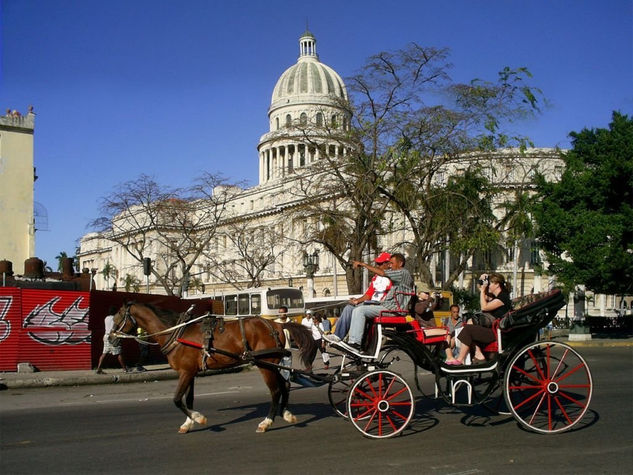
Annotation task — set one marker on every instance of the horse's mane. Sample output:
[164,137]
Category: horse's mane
[168,317]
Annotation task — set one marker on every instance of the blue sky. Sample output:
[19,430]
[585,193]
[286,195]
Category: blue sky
[172,88]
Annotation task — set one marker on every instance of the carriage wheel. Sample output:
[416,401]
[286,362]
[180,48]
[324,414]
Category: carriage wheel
[380,404]
[339,387]
[548,387]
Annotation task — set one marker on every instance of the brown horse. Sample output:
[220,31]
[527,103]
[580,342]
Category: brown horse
[233,343]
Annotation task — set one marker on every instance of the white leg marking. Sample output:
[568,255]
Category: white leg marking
[199,418]
[264,425]
[289,417]
[186,426]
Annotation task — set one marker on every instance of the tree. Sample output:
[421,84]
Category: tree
[253,251]
[585,220]
[109,271]
[131,283]
[412,127]
[60,259]
[172,226]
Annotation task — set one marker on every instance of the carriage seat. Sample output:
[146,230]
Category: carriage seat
[405,323]
[533,311]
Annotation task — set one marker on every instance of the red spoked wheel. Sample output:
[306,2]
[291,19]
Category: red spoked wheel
[548,387]
[380,404]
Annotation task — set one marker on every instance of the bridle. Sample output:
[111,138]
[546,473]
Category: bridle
[127,316]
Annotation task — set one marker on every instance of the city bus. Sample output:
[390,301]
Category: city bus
[259,301]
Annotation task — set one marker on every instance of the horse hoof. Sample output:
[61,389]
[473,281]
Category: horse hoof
[183,430]
[264,425]
[202,421]
[290,417]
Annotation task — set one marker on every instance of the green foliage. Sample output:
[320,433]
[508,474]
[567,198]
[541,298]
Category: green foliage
[465,299]
[60,258]
[585,221]
[131,283]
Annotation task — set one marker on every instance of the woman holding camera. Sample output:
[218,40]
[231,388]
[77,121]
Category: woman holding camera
[494,299]
[495,303]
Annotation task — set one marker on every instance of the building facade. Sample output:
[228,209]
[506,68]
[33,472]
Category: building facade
[308,106]
[17,176]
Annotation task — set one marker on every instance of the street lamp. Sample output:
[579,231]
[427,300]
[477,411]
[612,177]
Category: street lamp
[311,265]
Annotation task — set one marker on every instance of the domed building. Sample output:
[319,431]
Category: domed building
[307,108]
[309,120]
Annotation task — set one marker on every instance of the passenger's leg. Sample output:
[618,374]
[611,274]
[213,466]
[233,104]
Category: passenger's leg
[343,322]
[359,315]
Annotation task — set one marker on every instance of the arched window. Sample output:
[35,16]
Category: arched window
[288,120]
[276,123]
[303,118]
[319,119]
[334,122]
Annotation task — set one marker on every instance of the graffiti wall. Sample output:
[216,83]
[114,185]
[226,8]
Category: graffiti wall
[63,330]
[47,328]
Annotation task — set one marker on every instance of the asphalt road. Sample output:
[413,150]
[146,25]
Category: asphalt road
[132,429]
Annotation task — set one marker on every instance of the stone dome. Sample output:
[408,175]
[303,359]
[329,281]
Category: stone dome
[309,98]
[308,81]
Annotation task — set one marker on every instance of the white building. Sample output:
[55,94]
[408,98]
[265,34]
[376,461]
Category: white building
[312,96]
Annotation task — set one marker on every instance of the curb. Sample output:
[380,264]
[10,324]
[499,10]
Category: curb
[43,381]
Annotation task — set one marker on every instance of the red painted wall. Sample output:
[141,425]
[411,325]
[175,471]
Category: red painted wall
[47,328]
[63,330]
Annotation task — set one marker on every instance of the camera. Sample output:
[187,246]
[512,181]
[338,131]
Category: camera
[483,281]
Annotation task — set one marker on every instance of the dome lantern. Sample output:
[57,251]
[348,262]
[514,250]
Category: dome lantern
[307,46]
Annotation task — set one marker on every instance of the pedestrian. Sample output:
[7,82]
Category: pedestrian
[143,349]
[112,348]
[315,324]
[286,360]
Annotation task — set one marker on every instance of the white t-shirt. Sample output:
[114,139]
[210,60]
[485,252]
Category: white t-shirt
[381,286]
[108,324]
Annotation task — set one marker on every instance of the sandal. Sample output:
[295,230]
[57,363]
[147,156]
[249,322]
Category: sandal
[478,361]
[453,362]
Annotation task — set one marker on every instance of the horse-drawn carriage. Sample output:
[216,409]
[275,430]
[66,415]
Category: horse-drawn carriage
[546,385]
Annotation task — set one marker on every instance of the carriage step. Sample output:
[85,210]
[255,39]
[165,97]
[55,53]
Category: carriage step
[470,369]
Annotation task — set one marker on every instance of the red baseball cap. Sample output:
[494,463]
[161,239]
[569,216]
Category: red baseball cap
[384,257]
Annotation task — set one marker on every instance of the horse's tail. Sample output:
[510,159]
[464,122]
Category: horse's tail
[302,336]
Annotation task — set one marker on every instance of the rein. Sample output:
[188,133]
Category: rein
[119,334]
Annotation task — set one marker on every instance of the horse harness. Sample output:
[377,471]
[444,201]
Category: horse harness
[213,322]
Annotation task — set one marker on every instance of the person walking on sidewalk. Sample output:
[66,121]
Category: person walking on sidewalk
[315,324]
[286,361]
[113,348]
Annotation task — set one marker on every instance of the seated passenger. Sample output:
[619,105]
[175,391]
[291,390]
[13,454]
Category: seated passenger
[423,309]
[423,313]
[376,292]
[396,298]
[495,301]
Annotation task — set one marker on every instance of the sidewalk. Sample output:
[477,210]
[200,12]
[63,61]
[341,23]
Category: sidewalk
[13,380]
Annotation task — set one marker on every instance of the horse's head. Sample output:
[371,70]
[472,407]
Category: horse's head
[124,321]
